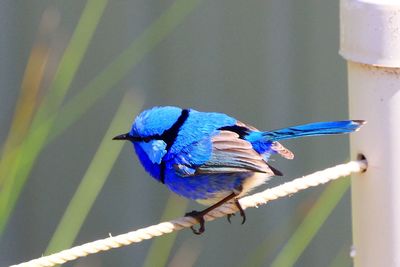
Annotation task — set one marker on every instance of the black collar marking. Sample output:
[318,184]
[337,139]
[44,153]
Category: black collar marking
[240,130]
[169,137]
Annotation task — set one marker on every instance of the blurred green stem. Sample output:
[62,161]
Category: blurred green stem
[342,258]
[311,224]
[161,247]
[123,64]
[98,87]
[44,131]
[94,178]
[25,155]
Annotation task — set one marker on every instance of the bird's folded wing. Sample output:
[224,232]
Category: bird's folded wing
[229,154]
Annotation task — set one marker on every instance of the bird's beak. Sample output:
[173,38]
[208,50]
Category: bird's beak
[122,137]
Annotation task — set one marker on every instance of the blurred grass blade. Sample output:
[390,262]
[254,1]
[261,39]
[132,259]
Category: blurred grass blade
[161,247]
[94,178]
[342,258]
[43,133]
[108,78]
[27,100]
[187,254]
[313,221]
[121,66]
[71,59]
[26,104]
[264,250]
[14,178]
[24,111]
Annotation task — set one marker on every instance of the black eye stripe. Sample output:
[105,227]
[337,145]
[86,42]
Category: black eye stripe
[169,136]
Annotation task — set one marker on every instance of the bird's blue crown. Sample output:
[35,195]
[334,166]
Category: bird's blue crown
[155,121]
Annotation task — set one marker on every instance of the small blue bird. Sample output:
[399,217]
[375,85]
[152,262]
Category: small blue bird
[212,157]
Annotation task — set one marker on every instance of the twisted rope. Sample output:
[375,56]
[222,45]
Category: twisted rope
[289,188]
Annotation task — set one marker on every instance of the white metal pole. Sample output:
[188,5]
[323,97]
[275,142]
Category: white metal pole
[370,42]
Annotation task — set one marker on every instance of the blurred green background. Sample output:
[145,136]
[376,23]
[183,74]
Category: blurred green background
[76,73]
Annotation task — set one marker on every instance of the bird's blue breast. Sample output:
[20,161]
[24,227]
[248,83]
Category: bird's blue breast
[193,147]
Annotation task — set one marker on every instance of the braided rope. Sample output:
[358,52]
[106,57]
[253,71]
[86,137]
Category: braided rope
[289,188]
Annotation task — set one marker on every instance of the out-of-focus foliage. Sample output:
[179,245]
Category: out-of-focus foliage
[75,73]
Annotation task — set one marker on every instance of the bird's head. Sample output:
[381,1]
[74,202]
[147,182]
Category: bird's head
[147,135]
[151,124]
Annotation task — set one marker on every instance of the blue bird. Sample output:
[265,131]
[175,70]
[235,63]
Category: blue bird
[211,157]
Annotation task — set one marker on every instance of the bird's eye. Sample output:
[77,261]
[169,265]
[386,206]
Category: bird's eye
[147,139]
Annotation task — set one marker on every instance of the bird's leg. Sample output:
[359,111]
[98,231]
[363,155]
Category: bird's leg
[199,215]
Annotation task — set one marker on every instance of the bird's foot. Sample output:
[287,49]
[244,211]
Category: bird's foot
[241,212]
[199,216]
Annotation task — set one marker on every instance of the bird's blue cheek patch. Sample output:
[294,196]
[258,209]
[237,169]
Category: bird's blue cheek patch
[155,150]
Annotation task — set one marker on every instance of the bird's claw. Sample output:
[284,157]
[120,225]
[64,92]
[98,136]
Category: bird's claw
[241,211]
[198,216]
[228,217]
[242,214]
[243,217]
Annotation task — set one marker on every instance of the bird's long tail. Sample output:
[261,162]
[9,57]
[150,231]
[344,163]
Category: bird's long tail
[313,129]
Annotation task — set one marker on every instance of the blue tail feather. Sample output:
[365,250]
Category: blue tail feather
[313,129]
